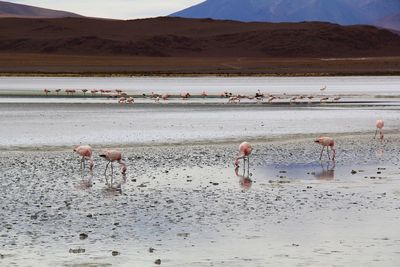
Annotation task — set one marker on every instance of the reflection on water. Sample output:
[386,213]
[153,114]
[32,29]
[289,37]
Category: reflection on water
[327,171]
[244,178]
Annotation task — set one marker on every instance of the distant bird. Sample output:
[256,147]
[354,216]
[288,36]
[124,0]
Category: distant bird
[165,96]
[70,91]
[86,153]
[293,99]
[118,91]
[379,127]
[46,91]
[234,99]
[323,88]
[245,150]
[323,99]
[130,100]
[84,91]
[259,94]
[204,94]
[93,92]
[336,99]
[122,100]
[328,143]
[111,156]
[57,91]
[271,98]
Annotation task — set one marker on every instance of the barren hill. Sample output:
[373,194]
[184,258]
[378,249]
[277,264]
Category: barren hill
[178,37]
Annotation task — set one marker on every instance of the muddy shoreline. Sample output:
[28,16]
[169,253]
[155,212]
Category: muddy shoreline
[187,203]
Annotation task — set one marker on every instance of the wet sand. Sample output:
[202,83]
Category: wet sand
[187,203]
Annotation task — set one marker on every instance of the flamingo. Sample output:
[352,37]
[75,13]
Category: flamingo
[93,92]
[111,156]
[122,100]
[234,99]
[84,91]
[130,100]
[323,88]
[165,96]
[328,143]
[185,96]
[46,91]
[245,150]
[86,153]
[379,127]
[204,94]
[336,99]
[58,91]
[323,99]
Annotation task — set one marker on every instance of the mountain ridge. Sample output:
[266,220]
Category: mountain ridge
[343,12]
[8,9]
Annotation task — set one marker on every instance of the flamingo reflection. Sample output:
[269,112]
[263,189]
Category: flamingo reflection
[244,180]
[328,172]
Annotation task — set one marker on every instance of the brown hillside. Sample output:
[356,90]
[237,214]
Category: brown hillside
[176,37]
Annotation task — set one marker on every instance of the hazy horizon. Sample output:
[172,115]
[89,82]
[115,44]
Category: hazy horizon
[118,9]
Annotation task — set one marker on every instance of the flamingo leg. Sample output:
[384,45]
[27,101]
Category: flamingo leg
[381,133]
[105,171]
[322,151]
[327,150]
[376,132]
[82,159]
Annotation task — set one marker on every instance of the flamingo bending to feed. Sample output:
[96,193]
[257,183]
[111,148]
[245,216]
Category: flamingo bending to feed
[234,99]
[328,143]
[111,156]
[245,150]
[86,153]
[379,127]
[46,91]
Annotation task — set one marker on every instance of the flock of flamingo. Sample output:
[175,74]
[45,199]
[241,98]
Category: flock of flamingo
[245,150]
[123,98]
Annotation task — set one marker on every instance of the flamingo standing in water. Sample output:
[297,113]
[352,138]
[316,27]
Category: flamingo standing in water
[379,127]
[46,91]
[328,143]
[86,153]
[111,156]
[245,150]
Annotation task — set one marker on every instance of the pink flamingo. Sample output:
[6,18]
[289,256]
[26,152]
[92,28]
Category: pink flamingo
[46,91]
[165,96]
[130,100]
[245,150]
[204,94]
[86,153]
[58,91]
[93,92]
[84,91]
[379,127]
[234,99]
[328,143]
[185,95]
[111,156]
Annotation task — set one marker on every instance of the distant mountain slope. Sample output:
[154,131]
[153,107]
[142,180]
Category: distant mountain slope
[345,12]
[177,37]
[8,9]
[390,22]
